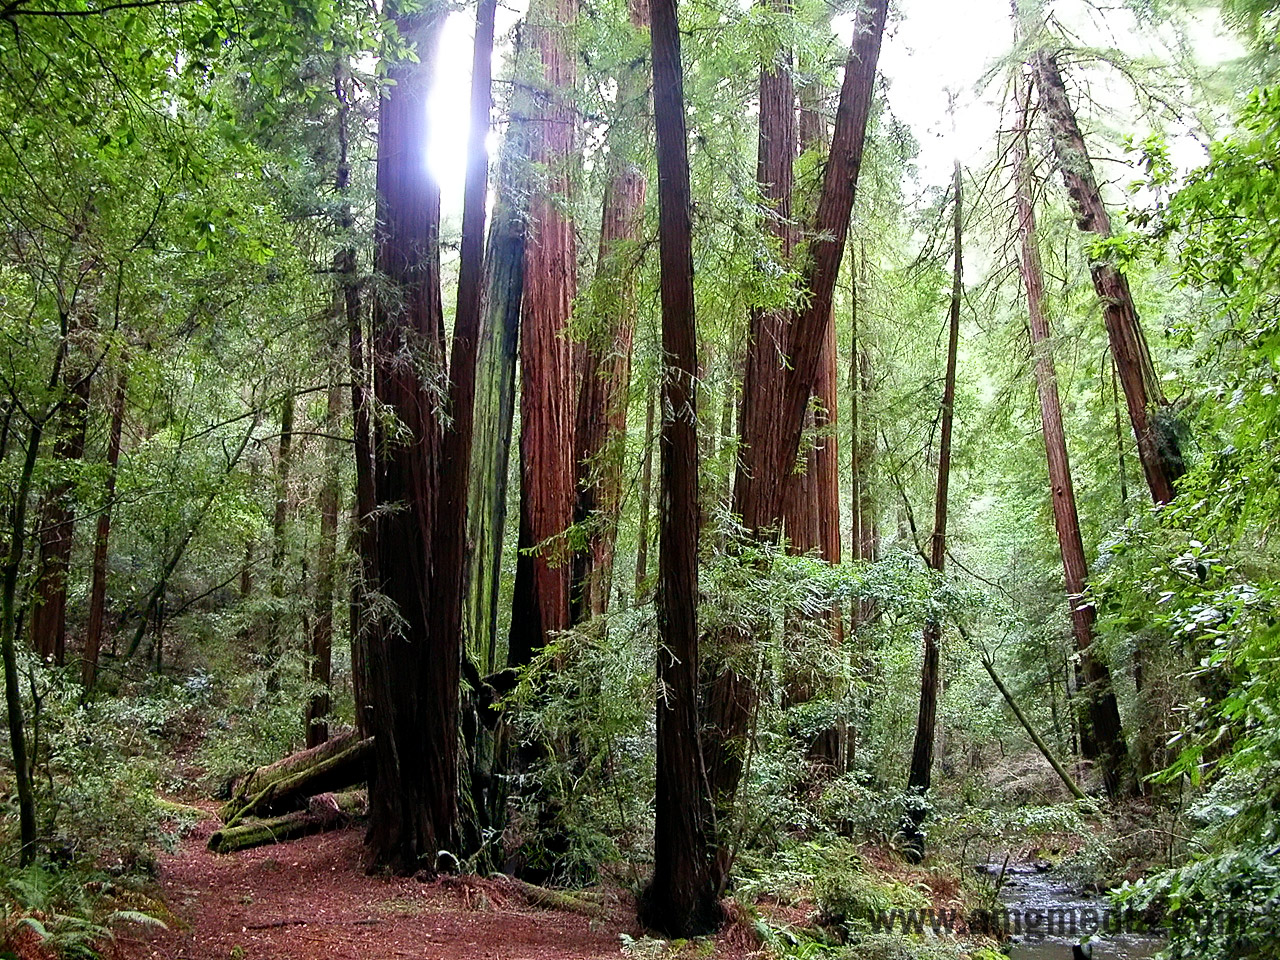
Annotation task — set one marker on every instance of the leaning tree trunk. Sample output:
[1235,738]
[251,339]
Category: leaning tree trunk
[601,431]
[57,530]
[1103,713]
[921,773]
[681,899]
[1158,446]
[541,601]
[729,713]
[101,541]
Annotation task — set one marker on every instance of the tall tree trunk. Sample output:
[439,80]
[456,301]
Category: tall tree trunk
[277,627]
[730,696]
[414,783]
[321,652]
[102,539]
[1103,714]
[646,487]
[760,501]
[495,388]
[541,601]
[600,435]
[1158,446]
[681,898]
[57,528]
[921,773]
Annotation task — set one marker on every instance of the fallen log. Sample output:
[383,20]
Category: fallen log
[547,899]
[286,784]
[324,812]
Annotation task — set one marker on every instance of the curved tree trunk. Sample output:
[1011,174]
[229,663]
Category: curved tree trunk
[921,774]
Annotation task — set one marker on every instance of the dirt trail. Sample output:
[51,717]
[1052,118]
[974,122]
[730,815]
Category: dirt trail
[311,900]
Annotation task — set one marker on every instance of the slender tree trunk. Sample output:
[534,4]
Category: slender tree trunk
[600,435]
[57,530]
[362,436]
[1158,446]
[681,898]
[413,787]
[277,627]
[101,541]
[921,773]
[495,390]
[541,601]
[646,486]
[23,761]
[1103,714]
[321,652]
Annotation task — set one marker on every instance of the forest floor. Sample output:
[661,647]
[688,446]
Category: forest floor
[311,899]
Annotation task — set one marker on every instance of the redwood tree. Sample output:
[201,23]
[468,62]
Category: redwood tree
[541,599]
[1158,446]
[605,377]
[680,900]
[1102,713]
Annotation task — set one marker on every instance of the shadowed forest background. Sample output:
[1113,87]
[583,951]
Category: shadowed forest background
[714,516]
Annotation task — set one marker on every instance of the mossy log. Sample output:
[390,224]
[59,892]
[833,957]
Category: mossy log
[548,899]
[285,785]
[326,811]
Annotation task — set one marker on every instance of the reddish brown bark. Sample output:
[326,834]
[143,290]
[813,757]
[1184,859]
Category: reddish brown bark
[646,486]
[1158,448]
[541,601]
[601,428]
[760,480]
[101,541]
[57,531]
[681,900]
[413,666]
[1102,712]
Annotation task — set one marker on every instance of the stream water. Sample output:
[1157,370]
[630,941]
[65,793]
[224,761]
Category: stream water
[1047,917]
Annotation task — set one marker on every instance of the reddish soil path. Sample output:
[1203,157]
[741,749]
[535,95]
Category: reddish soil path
[311,900]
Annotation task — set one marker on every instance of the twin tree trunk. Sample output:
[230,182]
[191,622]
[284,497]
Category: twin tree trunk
[102,539]
[418,563]
[1158,445]
[921,774]
[760,482]
[540,606]
[1102,713]
[681,900]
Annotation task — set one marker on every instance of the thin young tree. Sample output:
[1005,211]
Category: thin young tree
[102,539]
[681,899]
[920,776]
